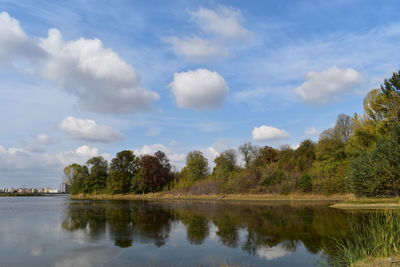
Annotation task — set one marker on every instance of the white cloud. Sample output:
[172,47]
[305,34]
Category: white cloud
[79,155]
[266,133]
[97,75]
[325,86]
[199,89]
[177,159]
[89,130]
[210,153]
[45,139]
[223,22]
[221,31]
[197,49]
[14,43]
[312,131]
[36,168]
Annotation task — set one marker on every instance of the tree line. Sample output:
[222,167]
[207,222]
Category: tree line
[360,154]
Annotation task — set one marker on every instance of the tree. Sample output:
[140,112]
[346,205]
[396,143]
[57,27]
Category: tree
[98,176]
[305,183]
[152,175]
[249,152]
[167,168]
[376,173]
[77,176]
[123,169]
[305,155]
[266,155]
[196,166]
[225,163]
[343,128]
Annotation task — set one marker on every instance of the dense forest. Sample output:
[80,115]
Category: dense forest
[360,154]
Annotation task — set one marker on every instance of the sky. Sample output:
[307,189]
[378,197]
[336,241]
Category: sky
[85,78]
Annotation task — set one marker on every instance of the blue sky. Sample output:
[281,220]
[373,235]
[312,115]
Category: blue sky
[85,78]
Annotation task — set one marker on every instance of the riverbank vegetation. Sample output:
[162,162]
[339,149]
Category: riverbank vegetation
[359,155]
[373,241]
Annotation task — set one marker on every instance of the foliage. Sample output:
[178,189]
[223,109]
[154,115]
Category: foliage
[123,169]
[358,154]
[196,166]
[225,164]
[376,236]
[152,175]
[97,180]
[305,184]
[377,173]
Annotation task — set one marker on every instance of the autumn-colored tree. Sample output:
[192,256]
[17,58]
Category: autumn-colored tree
[151,176]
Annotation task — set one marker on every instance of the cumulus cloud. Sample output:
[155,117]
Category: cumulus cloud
[89,130]
[221,30]
[14,43]
[97,75]
[45,139]
[267,133]
[79,155]
[325,86]
[177,159]
[223,22]
[199,89]
[19,159]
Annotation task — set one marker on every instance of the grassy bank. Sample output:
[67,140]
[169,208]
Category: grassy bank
[368,203]
[219,197]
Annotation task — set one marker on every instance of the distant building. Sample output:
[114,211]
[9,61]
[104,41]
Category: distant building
[64,188]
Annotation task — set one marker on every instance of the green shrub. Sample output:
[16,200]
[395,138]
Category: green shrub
[305,184]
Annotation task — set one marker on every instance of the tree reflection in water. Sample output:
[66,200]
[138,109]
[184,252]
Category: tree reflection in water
[255,228]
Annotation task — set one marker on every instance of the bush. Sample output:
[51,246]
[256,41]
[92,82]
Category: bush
[377,173]
[305,184]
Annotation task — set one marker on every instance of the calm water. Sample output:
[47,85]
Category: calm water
[56,231]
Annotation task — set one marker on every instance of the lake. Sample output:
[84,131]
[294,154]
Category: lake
[56,231]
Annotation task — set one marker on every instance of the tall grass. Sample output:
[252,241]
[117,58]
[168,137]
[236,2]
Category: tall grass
[376,235]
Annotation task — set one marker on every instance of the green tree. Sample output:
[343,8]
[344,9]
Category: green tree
[123,169]
[225,163]
[98,176]
[305,155]
[376,173]
[196,166]
[305,183]
[77,176]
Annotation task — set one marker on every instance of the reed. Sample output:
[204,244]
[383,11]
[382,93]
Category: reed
[375,236]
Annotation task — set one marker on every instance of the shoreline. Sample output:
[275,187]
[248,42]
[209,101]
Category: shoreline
[343,201]
[215,197]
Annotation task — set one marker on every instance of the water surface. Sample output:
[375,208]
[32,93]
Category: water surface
[56,231]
